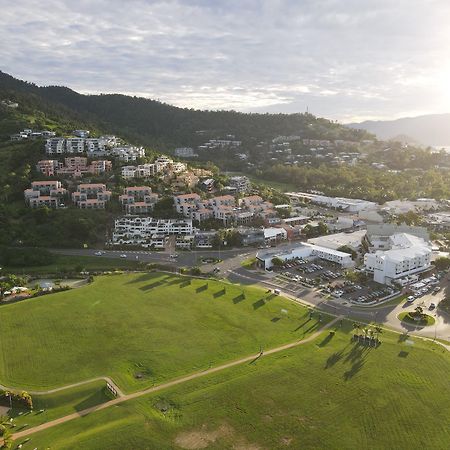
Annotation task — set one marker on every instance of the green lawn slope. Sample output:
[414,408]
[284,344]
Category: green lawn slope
[327,394]
[140,329]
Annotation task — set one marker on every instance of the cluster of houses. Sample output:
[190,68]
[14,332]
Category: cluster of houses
[221,144]
[94,147]
[75,167]
[28,133]
[224,208]
[162,165]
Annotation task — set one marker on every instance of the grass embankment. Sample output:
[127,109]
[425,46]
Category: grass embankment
[249,263]
[332,393]
[424,321]
[140,329]
[51,406]
[63,264]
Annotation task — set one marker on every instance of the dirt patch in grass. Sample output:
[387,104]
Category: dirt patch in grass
[193,440]
[286,441]
[203,438]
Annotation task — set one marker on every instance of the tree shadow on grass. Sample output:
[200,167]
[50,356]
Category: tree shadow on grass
[403,354]
[239,298]
[142,277]
[259,303]
[314,325]
[334,358]
[95,399]
[185,283]
[203,287]
[174,281]
[403,337]
[154,285]
[356,367]
[220,293]
[302,325]
[327,339]
[275,319]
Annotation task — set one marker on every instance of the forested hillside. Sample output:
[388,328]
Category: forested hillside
[156,124]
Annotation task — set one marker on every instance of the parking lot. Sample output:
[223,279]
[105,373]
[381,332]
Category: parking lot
[330,280]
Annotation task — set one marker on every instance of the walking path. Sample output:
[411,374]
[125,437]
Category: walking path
[69,386]
[123,398]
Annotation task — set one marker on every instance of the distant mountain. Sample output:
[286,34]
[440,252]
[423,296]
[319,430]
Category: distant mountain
[152,123]
[433,129]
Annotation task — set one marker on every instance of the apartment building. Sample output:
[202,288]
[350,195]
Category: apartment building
[241,184]
[45,193]
[185,152]
[48,167]
[407,254]
[138,200]
[95,146]
[185,180]
[74,145]
[75,166]
[304,251]
[127,153]
[91,196]
[140,171]
[55,146]
[149,232]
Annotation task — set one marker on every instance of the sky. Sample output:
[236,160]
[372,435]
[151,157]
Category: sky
[347,60]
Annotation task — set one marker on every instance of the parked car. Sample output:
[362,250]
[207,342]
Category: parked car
[410,299]
[432,306]
[123,255]
[99,253]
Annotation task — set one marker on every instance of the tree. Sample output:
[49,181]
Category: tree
[349,250]
[277,262]
[442,263]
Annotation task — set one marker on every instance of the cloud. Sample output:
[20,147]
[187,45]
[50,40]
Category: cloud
[342,59]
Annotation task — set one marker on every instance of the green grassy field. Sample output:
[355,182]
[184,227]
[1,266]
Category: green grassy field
[327,394]
[140,329]
[72,263]
[60,404]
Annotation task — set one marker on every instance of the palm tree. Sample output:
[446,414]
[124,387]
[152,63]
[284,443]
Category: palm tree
[357,327]
[379,331]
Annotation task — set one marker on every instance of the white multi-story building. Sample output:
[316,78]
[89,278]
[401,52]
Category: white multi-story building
[75,145]
[240,183]
[127,153]
[407,254]
[132,230]
[304,251]
[185,152]
[55,146]
[95,146]
[140,171]
[345,204]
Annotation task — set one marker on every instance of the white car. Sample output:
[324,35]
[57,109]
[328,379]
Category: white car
[98,253]
[123,255]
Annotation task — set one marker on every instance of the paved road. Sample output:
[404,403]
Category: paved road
[184,259]
[386,315]
[124,398]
